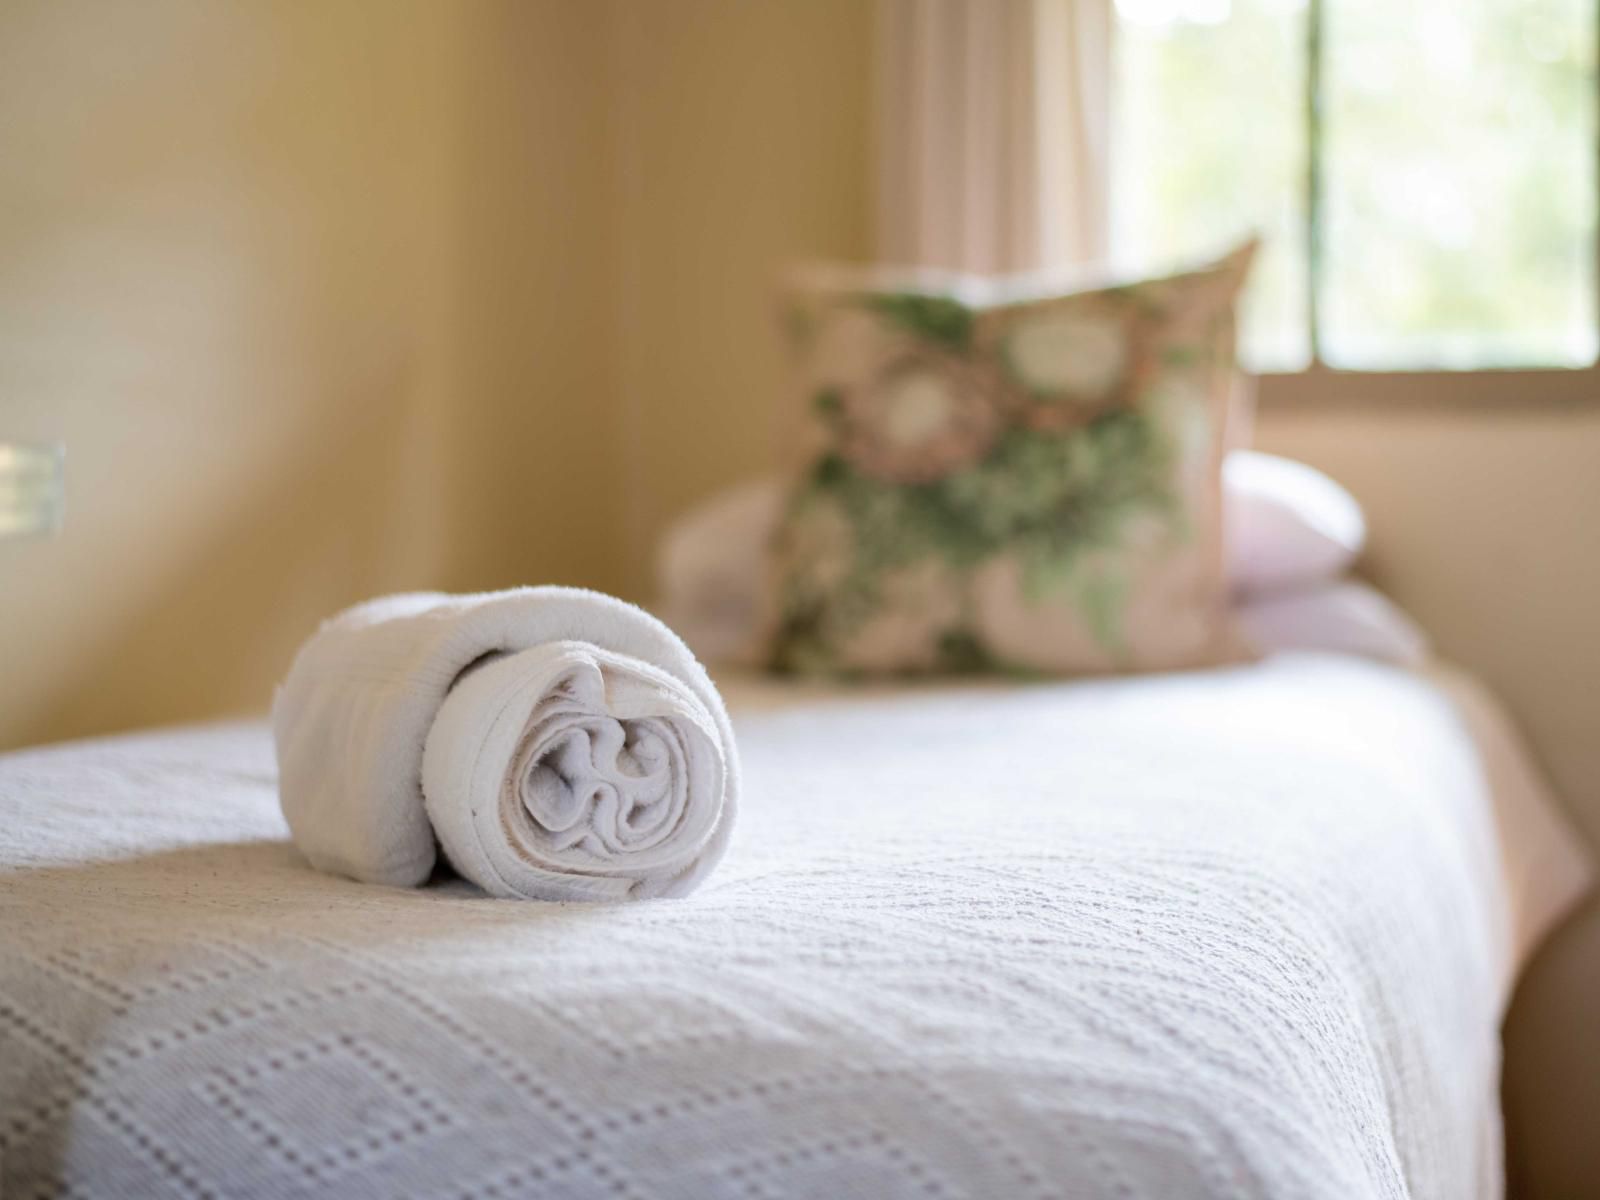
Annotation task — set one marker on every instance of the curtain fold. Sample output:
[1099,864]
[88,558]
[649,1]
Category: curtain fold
[991,130]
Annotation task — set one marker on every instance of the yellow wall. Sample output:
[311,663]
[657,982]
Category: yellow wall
[332,299]
[533,410]
[308,295]
[742,145]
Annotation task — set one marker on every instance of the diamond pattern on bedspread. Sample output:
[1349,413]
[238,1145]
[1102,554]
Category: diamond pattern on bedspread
[1192,937]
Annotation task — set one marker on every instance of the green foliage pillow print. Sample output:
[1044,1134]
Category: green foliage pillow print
[1025,486]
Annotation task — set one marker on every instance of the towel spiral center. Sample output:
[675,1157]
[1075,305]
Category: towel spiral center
[606,770]
[607,786]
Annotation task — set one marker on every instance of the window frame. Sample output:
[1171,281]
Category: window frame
[1540,389]
[1319,385]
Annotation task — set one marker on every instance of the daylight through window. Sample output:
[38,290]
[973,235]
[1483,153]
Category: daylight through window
[1424,172]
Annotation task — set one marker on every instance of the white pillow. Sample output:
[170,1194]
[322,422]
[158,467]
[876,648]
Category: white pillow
[1287,525]
[711,570]
[1343,617]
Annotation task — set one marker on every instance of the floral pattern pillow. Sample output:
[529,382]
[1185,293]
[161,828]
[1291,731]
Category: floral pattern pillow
[1015,484]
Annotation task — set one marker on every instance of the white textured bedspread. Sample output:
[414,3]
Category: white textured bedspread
[1239,934]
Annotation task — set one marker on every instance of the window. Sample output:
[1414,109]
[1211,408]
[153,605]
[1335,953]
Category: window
[1424,172]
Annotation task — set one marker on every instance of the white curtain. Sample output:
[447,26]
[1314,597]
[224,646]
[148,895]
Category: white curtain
[991,133]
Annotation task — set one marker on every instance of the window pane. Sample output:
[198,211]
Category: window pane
[1209,145]
[1460,183]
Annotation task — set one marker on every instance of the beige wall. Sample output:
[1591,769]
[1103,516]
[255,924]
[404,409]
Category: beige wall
[324,305]
[742,146]
[533,409]
[310,296]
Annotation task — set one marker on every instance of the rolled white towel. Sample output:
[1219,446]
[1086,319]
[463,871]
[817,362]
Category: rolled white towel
[558,743]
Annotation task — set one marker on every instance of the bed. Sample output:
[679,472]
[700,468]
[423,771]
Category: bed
[1239,933]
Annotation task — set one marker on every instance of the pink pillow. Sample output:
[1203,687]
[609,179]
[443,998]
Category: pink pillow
[1007,475]
[1287,525]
